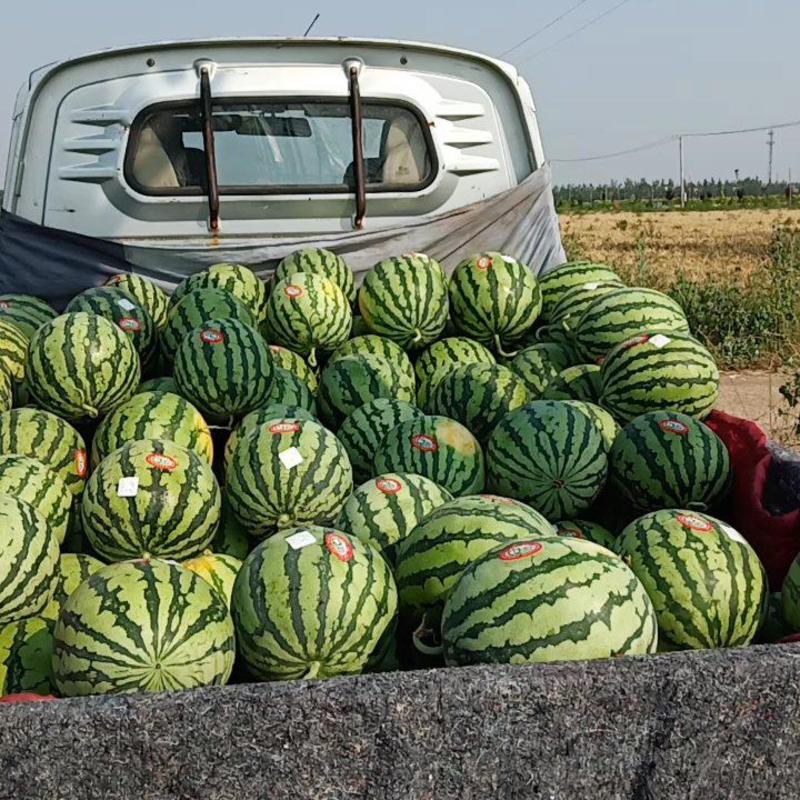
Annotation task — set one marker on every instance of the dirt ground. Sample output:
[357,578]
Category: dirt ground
[754,395]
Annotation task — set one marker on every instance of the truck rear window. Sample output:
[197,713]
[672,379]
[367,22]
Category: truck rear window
[278,147]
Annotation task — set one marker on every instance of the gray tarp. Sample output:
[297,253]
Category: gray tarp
[56,265]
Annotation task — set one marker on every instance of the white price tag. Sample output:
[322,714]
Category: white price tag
[128,487]
[291,458]
[592,286]
[509,260]
[126,304]
[734,534]
[659,340]
[301,539]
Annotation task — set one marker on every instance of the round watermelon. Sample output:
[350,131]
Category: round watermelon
[790,596]
[540,600]
[579,382]
[539,366]
[568,311]
[312,602]
[218,570]
[151,498]
[287,389]
[606,424]
[28,313]
[372,345]
[591,531]
[6,391]
[142,626]
[557,282]
[292,362]
[73,570]
[442,357]
[165,384]
[146,293]
[14,357]
[406,300]
[237,279]
[322,262]
[26,657]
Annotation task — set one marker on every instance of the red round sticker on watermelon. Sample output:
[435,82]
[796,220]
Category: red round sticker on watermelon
[389,486]
[212,336]
[521,550]
[81,463]
[696,524]
[484,263]
[283,428]
[115,280]
[425,443]
[293,292]
[673,426]
[130,325]
[339,546]
[161,463]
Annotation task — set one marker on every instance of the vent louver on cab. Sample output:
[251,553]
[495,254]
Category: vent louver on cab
[104,145]
[457,138]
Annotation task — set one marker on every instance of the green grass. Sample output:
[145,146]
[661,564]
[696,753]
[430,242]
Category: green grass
[643,206]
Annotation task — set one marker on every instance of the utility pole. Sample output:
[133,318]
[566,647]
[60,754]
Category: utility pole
[771,145]
[682,179]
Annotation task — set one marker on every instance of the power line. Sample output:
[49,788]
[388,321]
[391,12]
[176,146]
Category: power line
[545,28]
[639,149]
[794,124]
[591,22]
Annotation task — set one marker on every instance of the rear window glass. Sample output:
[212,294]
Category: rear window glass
[274,147]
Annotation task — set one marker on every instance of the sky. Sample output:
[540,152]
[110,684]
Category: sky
[649,69]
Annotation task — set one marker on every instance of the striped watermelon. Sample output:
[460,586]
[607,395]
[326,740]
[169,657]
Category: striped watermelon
[494,299]
[568,311]
[656,371]
[774,626]
[267,413]
[555,284]
[372,345]
[384,510]
[665,459]
[142,626]
[550,455]
[618,316]
[195,309]
[26,656]
[218,570]
[604,422]
[287,389]
[591,531]
[322,262]
[81,366]
[790,596]
[51,440]
[14,356]
[478,396]
[405,299]
[153,415]
[30,480]
[145,292]
[151,498]
[348,383]
[231,538]
[443,356]
[225,368]
[291,362]
[73,570]
[237,279]
[539,366]
[28,313]
[366,428]
[433,555]
[28,560]
[166,384]
[287,472]
[118,307]
[308,314]
[580,382]
[706,582]
[312,603]
[6,391]
[437,448]
[559,599]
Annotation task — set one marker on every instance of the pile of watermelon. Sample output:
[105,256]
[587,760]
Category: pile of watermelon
[300,478]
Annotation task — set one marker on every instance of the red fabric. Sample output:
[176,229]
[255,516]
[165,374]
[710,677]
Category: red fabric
[26,698]
[775,539]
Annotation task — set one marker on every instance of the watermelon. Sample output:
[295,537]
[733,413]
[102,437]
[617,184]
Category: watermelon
[579,382]
[49,439]
[556,283]
[73,570]
[81,366]
[308,314]
[365,429]
[14,356]
[142,626]
[218,570]
[287,389]
[706,582]
[442,356]
[153,415]
[550,455]
[773,624]
[665,459]
[350,382]
[540,365]
[287,472]
[606,424]
[32,481]
[406,300]
[225,368]
[231,538]
[194,309]
[165,384]
[384,510]
[591,531]
[478,396]
[237,279]
[119,308]
[435,447]
[146,293]
[28,313]
[616,317]
[494,299]
[267,413]
[790,596]
[292,362]
[372,345]
[151,498]
[26,656]
[312,602]
[540,600]
[654,372]
[433,555]
[28,560]
[6,391]
[570,308]
[319,262]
